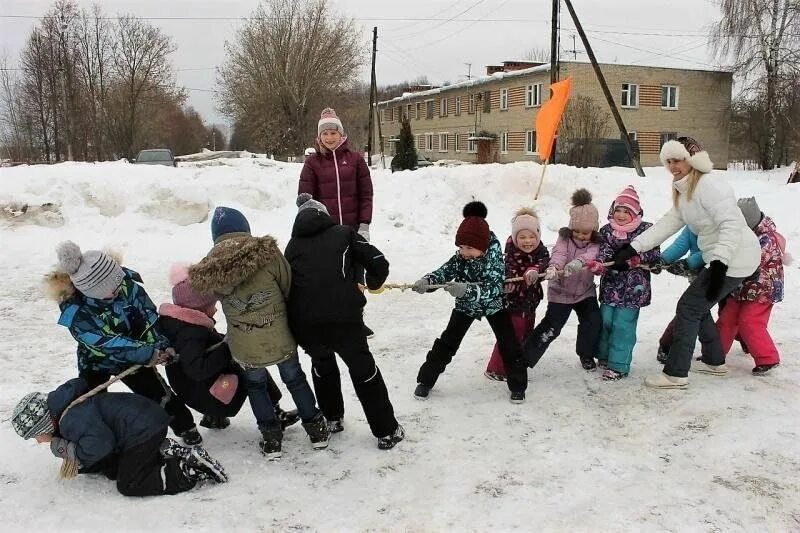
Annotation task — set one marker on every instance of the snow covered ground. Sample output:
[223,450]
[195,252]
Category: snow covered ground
[579,455]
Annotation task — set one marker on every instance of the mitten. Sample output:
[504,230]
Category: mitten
[531,276]
[657,265]
[679,268]
[166,356]
[551,273]
[421,286]
[63,449]
[363,230]
[621,258]
[573,267]
[635,261]
[508,288]
[597,268]
[716,279]
[456,289]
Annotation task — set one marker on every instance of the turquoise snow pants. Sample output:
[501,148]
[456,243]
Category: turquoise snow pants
[618,336]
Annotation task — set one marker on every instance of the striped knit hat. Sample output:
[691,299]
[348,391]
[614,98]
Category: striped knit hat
[94,273]
[31,416]
[329,121]
[629,199]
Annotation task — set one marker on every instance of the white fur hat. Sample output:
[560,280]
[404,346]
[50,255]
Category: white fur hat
[688,149]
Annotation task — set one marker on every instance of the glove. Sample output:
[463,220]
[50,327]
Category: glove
[508,288]
[420,286]
[63,449]
[551,273]
[621,258]
[573,267]
[163,357]
[531,276]
[679,268]
[363,230]
[634,261]
[456,289]
[597,268]
[716,279]
[657,265]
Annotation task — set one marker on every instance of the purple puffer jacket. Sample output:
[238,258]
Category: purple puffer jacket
[578,287]
[340,180]
[767,288]
[630,288]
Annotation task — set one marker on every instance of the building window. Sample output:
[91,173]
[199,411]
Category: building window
[418,111]
[630,95]
[458,105]
[503,99]
[533,95]
[530,142]
[443,107]
[429,109]
[668,136]
[487,101]
[669,97]
[408,111]
[472,144]
[420,142]
[632,136]
[471,104]
[382,114]
[442,142]
[504,142]
[456,139]
[429,142]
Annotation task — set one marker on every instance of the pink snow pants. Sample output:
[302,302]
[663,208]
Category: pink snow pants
[750,321]
[523,325]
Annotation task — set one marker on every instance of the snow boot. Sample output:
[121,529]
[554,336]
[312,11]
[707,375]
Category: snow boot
[171,449]
[609,374]
[517,397]
[422,391]
[318,432]
[191,437]
[602,363]
[662,355]
[286,418]
[760,370]
[215,422]
[494,376]
[335,426]
[201,461]
[588,364]
[270,444]
[665,381]
[388,442]
[703,368]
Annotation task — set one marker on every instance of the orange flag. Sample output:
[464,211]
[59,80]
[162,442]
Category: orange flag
[549,117]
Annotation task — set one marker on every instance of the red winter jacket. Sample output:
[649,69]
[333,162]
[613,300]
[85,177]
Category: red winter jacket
[339,179]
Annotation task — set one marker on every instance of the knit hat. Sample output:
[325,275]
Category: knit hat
[31,416]
[525,219]
[474,230]
[228,220]
[329,121]
[182,292]
[305,201]
[629,199]
[94,273]
[688,149]
[583,216]
[750,211]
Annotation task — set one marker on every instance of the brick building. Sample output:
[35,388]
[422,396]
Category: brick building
[656,104]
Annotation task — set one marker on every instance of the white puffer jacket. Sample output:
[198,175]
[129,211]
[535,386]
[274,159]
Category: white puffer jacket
[711,214]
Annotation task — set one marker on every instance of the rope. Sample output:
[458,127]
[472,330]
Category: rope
[69,468]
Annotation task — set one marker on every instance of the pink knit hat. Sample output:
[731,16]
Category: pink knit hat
[329,121]
[583,215]
[183,294]
[525,219]
[629,199]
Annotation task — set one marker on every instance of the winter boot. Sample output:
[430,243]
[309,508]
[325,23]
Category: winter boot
[388,442]
[286,418]
[665,381]
[270,444]
[494,376]
[335,426]
[760,370]
[368,333]
[609,374]
[422,391]
[703,368]
[201,461]
[191,437]
[318,432]
[662,355]
[171,449]
[215,422]
[602,363]
[588,364]
[517,397]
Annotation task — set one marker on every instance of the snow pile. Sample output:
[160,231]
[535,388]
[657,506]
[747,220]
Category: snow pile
[579,455]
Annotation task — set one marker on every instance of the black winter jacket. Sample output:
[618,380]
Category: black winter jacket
[323,256]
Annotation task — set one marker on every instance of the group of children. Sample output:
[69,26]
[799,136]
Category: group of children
[506,289]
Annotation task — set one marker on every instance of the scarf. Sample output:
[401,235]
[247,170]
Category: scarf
[621,230]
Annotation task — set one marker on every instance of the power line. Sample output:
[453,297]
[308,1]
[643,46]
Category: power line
[425,30]
[457,31]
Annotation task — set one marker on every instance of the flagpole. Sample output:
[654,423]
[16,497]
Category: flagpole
[541,180]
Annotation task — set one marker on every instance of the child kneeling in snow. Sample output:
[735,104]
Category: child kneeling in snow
[205,376]
[747,309]
[624,288]
[526,257]
[474,276]
[118,434]
[571,286]
[108,312]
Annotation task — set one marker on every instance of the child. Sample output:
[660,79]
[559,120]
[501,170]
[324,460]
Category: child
[624,289]
[119,434]
[253,278]
[747,310]
[108,312]
[570,286]
[474,276]
[525,257]
[205,359]
[326,315]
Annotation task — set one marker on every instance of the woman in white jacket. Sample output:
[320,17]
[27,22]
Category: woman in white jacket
[730,249]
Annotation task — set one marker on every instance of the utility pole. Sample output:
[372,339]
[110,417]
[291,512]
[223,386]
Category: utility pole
[469,71]
[574,48]
[554,42]
[372,94]
[611,104]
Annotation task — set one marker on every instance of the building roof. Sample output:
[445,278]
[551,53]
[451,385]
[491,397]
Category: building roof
[482,80]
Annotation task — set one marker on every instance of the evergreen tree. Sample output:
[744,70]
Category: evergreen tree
[406,158]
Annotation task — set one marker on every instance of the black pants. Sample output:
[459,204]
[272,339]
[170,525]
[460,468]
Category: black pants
[589,325]
[148,382]
[446,346]
[322,342]
[143,471]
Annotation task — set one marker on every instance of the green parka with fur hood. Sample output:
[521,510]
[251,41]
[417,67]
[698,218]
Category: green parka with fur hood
[252,278]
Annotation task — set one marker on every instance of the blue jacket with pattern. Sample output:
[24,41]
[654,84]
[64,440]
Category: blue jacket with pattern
[113,334]
[484,296]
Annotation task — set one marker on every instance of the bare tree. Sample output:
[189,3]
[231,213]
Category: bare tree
[763,37]
[537,54]
[93,61]
[585,122]
[291,58]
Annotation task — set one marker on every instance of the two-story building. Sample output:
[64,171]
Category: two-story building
[656,104]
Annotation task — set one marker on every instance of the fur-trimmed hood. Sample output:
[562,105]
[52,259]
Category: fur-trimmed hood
[234,258]
[57,286]
[566,233]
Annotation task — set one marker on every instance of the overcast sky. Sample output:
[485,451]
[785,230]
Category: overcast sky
[449,35]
